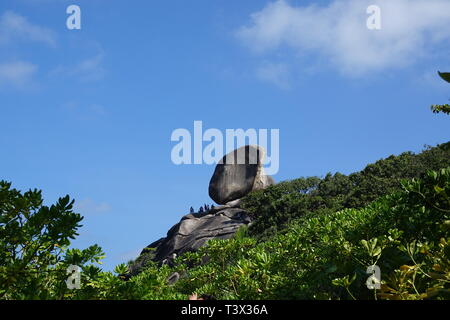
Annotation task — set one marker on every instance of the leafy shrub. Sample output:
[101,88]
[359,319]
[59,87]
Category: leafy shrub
[324,233]
[326,256]
[277,205]
[437,108]
[33,245]
[35,255]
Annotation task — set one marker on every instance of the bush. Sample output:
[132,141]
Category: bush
[319,238]
[326,256]
[33,245]
[279,204]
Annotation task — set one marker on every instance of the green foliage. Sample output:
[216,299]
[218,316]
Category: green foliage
[33,245]
[319,238]
[444,108]
[445,76]
[275,207]
[326,256]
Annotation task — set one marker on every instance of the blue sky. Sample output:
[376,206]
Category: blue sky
[90,112]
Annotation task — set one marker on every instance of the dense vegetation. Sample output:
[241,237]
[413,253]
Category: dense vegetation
[277,205]
[326,256]
[313,238]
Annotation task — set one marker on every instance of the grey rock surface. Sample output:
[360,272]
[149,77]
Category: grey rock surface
[192,232]
[174,277]
[238,173]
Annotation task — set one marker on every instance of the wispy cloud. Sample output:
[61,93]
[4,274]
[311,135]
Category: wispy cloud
[86,70]
[89,69]
[15,27]
[337,33]
[17,74]
[85,111]
[91,207]
[274,73]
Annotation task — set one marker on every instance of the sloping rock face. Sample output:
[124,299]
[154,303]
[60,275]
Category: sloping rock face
[238,173]
[192,232]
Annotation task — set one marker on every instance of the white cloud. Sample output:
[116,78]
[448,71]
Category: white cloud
[275,73]
[86,70]
[411,29]
[90,69]
[14,26]
[17,74]
[89,206]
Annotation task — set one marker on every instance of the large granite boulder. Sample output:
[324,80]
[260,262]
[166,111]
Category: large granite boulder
[192,232]
[238,173]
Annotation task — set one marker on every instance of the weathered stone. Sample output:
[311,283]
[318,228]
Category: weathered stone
[174,277]
[191,233]
[234,203]
[238,173]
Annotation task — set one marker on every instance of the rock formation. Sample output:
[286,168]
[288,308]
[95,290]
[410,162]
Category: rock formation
[229,183]
[238,173]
